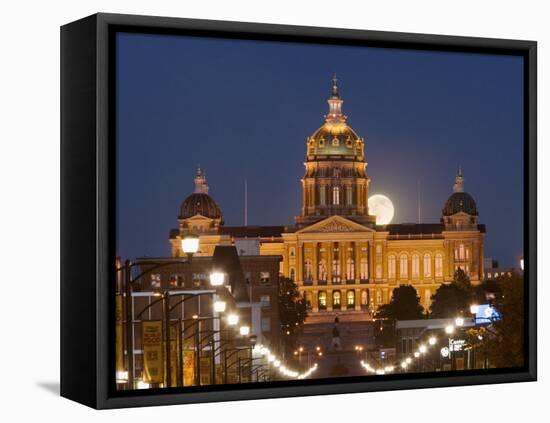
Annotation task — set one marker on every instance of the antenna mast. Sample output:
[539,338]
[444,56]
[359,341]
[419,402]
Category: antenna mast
[245,202]
[419,202]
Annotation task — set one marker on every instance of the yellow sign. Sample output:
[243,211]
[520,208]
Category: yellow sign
[153,371]
[189,368]
[173,355]
[119,334]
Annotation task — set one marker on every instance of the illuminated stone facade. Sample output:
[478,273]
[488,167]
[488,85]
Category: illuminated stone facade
[342,261]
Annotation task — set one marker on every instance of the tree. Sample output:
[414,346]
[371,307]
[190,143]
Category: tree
[292,308]
[404,305]
[505,343]
[462,280]
[454,299]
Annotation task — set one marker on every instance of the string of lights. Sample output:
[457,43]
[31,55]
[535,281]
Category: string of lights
[422,350]
[281,368]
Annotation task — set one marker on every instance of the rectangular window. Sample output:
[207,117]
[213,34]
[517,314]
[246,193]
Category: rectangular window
[155,281]
[176,281]
[265,300]
[264,277]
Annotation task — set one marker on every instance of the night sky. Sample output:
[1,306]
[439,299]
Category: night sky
[245,108]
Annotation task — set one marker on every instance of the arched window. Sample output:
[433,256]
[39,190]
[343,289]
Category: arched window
[322,300]
[364,297]
[350,269]
[378,271]
[335,195]
[349,196]
[439,265]
[336,270]
[415,266]
[461,254]
[322,195]
[403,266]
[351,298]
[293,274]
[427,265]
[336,299]
[391,267]
[292,252]
[364,268]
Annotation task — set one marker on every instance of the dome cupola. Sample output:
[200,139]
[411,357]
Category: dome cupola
[200,203]
[460,210]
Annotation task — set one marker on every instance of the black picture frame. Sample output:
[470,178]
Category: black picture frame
[88,201]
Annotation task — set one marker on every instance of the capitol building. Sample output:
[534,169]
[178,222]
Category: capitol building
[343,262]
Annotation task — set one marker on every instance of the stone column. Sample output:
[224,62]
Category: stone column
[342,256]
[314,262]
[371,257]
[329,299]
[330,255]
[357,258]
[357,299]
[299,263]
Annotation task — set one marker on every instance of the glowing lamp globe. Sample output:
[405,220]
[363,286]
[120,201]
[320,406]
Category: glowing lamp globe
[190,244]
[381,207]
[219,306]
[232,319]
[217,278]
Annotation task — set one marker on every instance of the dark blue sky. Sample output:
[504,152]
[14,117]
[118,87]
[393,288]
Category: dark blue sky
[245,108]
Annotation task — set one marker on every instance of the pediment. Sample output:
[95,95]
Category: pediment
[335,224]
[197,218]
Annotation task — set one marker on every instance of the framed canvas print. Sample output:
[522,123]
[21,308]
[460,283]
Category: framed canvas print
[258,211]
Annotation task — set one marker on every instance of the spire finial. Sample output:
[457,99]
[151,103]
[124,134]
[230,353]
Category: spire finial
[335,93]
[459,181]
[201,186]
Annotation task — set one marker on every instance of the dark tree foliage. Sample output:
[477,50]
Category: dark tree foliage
[450,301]
[292,307]
[505,341]
[462,280]
[454,299]
[404,305]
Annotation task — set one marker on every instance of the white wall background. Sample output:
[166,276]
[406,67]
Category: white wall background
[29,215]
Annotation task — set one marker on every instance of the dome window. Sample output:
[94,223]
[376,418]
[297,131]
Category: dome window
[321,143]
[335,142]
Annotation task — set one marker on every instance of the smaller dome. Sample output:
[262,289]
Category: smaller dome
[200,203]
[460,202]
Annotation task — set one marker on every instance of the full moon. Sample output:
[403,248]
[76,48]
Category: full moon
[382,207]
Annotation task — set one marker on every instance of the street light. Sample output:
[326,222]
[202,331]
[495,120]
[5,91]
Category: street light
[432,340]
[522,263]
[416,354]
[459,321]
[408,360]
[474,308]
[244,330]
[232,319]
[422,349]
[449,329]
[219,306]
[190,244]
[217,278]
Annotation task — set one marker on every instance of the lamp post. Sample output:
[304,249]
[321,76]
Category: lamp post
[189,245]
